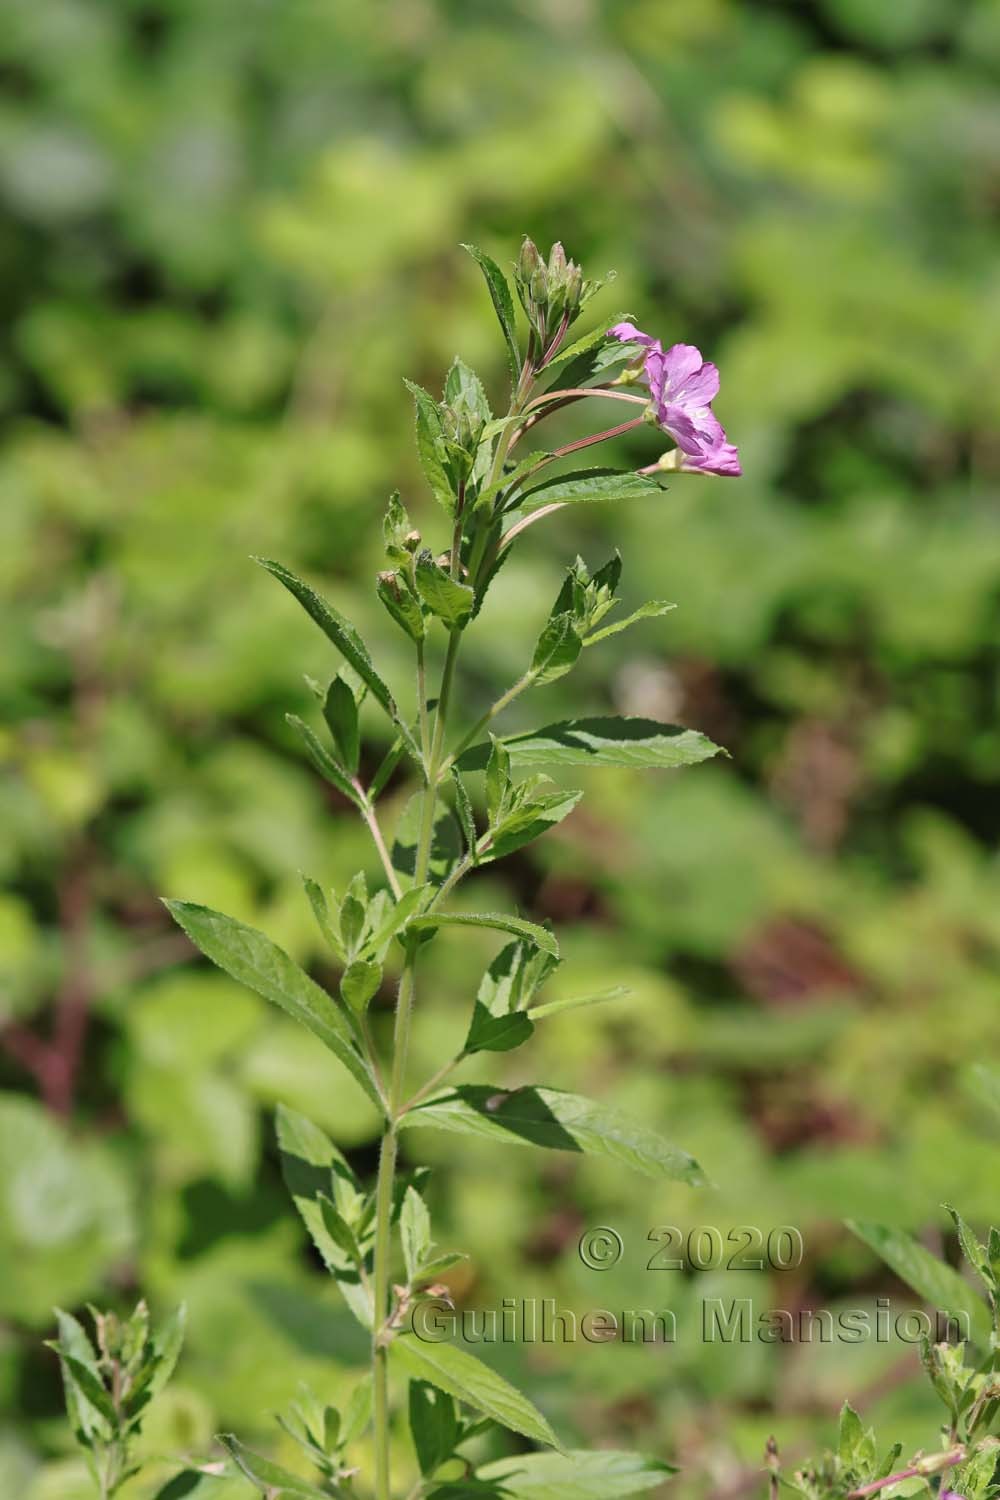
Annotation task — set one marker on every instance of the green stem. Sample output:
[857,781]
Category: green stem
[498,707]
[433,759]
[380,1352]
[400,1051]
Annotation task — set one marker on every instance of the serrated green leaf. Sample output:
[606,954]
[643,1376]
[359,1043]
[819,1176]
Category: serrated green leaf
[557,649]
[309,1162]
[497,778]
[499,921]
[323,761]
[414,1231]
[929,1277]
[529,822]
[463,386]
[254,960]
[271,1479]
[338,1229]
[557,1121]
[489,1033]
[647,611]
[317,899]
[503,304]
[974,1252]
[604,1474]
[346,639]
[91,1387]
[397,918]
[359,983]
[461,1375]
[851,1433]
[463,810]
[431,448]
[641,744]
[357,1412]
[402,604]
[590,486]
[444,596]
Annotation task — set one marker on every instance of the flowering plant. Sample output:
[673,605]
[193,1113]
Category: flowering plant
[479,797]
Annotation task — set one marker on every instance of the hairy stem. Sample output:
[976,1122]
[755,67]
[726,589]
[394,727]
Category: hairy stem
[432,744]
[498,707]
[372,824]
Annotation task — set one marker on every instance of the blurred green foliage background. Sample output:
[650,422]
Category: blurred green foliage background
[229,229]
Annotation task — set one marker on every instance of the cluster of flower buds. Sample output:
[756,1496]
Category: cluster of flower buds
[552,294]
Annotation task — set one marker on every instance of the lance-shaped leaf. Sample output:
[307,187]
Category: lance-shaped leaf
[414,1232]
[557,649]
[466,1378]
[309,1162]
[85,1417]
[585,485]
[557,1121]
[433,1425]
[641,744]
[449,600]
[528,822]
[647,611]
[604,1474]
[490,1033]
[929,1277]
[503,304]
[270,1479]
[340,710]
[499,921]
[463,387]
[346,639]
[586,344]
[323,761]
[431,448]
[254,960]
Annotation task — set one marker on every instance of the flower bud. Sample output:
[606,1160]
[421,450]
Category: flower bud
[528,261]
[574,287]
[411,541]
[539,286]
[557,262]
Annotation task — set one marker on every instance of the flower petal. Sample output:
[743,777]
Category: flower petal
[627,333]
[724,459]
[699,388]
[680,362]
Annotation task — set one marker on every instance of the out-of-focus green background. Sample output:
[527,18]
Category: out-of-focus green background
[230,227]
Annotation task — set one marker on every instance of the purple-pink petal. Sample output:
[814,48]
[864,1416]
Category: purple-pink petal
[724,459]
[683,387]
[629,334]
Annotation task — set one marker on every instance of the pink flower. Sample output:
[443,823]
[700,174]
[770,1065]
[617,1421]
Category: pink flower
[683,387]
